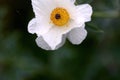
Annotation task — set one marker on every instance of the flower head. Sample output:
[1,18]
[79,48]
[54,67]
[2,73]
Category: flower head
[56,20]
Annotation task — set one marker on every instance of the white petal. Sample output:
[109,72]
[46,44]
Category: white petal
[73,1]
[42,7]
[38,26]
[42,26]
[62,42]
[44,45]
[65,29]
[32,26]
[77,35]
[84,11]
[41,43]
[42,10]
[54,38]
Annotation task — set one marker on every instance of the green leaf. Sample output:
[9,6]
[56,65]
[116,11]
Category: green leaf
[107,14]
[94,27]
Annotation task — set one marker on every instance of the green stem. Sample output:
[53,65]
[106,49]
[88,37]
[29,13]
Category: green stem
[107,14]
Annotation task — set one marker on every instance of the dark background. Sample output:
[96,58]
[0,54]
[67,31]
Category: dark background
[97,58]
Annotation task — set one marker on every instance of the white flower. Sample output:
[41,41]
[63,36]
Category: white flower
[56,20]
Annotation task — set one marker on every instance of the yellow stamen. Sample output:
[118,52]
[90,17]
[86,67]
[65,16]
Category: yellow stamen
[59,16]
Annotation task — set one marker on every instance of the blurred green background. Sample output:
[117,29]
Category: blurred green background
[97,58]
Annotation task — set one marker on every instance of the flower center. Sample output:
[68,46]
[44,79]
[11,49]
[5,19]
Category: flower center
[59,16]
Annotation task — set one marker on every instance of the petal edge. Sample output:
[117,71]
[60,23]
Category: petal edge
[77,35]
[41,43]
[85,10]
[32,26]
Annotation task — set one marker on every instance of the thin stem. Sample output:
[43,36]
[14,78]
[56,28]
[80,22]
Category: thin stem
[108,14]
